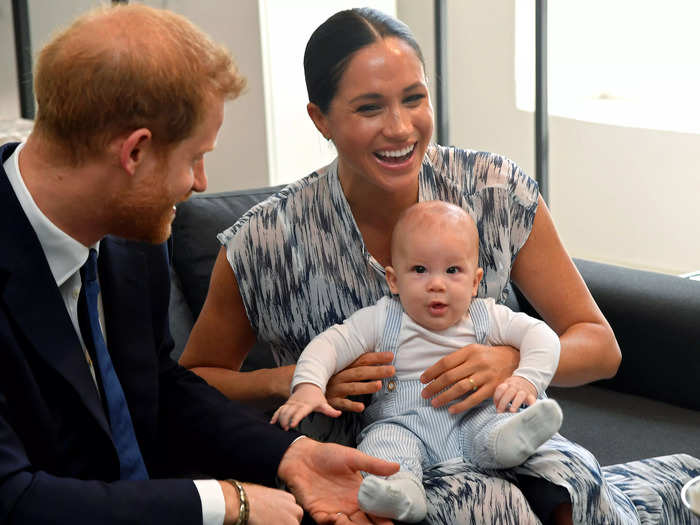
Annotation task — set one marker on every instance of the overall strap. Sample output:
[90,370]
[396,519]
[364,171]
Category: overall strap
[479,315]
[392,326]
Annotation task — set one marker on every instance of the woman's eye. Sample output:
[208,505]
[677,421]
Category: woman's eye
[414,99]
[419,269]
[368,108]
[453,269]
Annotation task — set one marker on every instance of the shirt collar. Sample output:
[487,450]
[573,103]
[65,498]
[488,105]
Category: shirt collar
[64,254]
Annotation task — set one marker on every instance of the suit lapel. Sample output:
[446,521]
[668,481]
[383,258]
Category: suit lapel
[34,303]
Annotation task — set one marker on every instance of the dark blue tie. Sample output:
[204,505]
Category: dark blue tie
[131,465]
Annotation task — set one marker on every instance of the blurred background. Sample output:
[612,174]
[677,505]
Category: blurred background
[623,86]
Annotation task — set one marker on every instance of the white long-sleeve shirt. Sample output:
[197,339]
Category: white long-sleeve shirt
[418,348]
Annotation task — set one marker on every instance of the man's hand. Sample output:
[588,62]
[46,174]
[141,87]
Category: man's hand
[473,371]
[325,479]
[514,391]
[306,398]
[266,505]
[362,376]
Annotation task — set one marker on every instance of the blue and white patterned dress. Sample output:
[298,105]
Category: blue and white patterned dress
[302,266]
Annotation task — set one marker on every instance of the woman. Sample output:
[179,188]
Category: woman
[313,254]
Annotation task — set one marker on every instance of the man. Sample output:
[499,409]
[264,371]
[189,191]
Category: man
[97,424]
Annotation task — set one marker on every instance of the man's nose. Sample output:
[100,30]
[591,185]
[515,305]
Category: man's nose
[199,183]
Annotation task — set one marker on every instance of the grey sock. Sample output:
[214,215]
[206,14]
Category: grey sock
[514,440]
[400,497]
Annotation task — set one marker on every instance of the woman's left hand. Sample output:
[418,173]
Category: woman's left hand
[471,374]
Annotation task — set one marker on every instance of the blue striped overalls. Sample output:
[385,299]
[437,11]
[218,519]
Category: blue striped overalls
[404,427]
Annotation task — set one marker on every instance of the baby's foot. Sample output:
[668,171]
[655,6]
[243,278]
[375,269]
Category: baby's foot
[521,434]
[398,498]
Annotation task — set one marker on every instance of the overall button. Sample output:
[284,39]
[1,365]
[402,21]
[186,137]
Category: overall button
[391,386]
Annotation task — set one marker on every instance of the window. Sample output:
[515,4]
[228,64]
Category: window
[629,63]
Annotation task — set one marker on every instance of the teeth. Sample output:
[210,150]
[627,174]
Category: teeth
[397,152]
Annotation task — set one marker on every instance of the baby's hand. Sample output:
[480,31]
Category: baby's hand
[515,390]
[305,399]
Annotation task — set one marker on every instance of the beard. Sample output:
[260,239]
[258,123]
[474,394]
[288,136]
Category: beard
[143,222]
[145,213]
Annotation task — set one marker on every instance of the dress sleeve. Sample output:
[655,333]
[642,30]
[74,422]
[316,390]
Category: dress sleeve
[243,252]
[524,193]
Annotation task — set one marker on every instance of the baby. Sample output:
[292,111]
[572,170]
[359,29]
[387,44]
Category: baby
[434,278]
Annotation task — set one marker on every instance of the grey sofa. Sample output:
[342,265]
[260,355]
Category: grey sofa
[651,407]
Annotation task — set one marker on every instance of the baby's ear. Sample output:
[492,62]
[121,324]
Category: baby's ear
[477,279]
[391,279]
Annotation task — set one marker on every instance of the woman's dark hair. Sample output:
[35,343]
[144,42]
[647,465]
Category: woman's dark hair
[334,42]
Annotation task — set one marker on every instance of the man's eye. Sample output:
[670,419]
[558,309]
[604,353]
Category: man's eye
[453,269]
[419,269]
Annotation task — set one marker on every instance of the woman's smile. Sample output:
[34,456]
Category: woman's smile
[396,159]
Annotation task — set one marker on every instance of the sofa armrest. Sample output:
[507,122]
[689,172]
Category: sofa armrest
[656,319]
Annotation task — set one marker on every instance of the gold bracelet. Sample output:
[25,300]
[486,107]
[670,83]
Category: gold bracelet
[244,508]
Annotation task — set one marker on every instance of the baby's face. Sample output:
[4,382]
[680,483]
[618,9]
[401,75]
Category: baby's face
[436,274]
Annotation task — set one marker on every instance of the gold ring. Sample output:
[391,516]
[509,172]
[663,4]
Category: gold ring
[473,384]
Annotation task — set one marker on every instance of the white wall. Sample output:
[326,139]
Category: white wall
[295,148]
[619,195]
[240,158]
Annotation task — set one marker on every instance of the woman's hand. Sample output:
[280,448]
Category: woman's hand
[473,371]
[362,376]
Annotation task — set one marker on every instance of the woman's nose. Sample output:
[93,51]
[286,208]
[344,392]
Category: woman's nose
[398,124]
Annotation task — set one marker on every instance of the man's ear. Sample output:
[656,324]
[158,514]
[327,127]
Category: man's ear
[391,279]
[477,279]
[133,148]
[319,120]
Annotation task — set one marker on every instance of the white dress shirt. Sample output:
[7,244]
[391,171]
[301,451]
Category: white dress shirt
[65,256]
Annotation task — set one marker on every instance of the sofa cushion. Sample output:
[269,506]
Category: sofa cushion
[619,427]
[195,247]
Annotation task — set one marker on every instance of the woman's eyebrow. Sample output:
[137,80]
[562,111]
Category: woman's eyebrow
[377,96]
[366,96]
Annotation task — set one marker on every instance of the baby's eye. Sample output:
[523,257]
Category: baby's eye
[418,268]
[453,269]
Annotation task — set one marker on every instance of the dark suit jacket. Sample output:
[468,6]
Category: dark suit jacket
[57,460]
